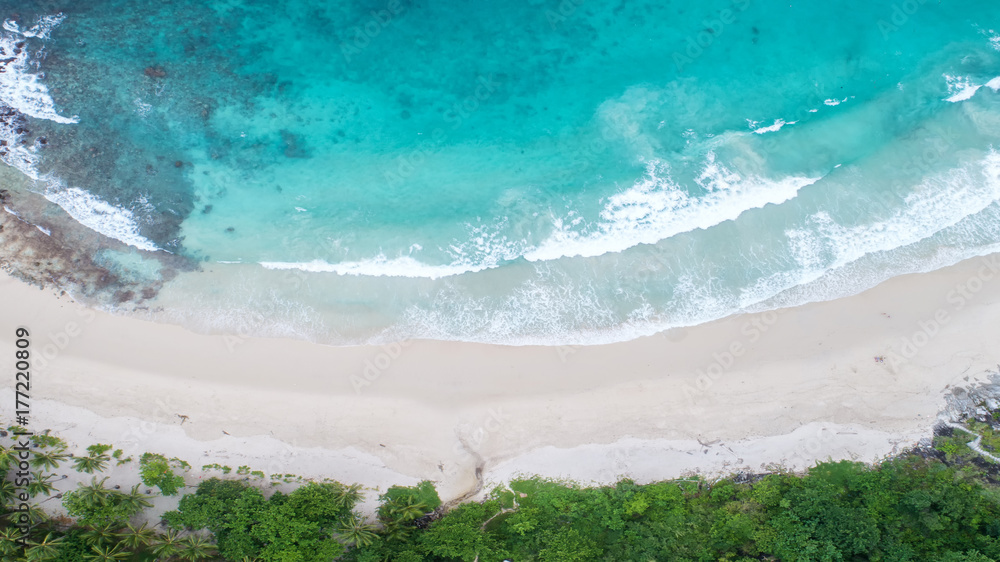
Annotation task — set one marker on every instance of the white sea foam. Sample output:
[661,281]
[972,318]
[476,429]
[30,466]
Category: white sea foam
[44,230]
[778,124]
[23,91]
[651,210]
[40,30]
[15,213]
[656,208]
[834,261]
[965,88]
[938,202]
[98,215]
[961,88]
[142,108]
[21,157]
[536,312]
[19,87]
[964,94]
[380,266]
[995,39]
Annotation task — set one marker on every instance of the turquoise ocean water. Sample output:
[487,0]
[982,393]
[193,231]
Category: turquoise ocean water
[513,172]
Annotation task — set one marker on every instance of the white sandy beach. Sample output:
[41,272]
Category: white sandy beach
[743,393]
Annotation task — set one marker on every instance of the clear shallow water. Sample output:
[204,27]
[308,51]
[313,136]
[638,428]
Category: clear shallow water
[523,172]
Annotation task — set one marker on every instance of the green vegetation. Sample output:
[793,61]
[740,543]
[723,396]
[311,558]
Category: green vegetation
[941,503]
[95,461]
[298,526]
[156,470]
[94,505]
[46,441]
[219,467]
[45,459]
[119,457]
[402,506]
[906,509]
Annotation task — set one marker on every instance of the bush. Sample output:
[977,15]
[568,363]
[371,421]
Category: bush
[297,526]
[155,470]
[402,504]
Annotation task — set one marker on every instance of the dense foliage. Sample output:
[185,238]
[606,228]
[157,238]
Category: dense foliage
[294,527]
[94,505]
[907,509]
[155,470]
[939,504]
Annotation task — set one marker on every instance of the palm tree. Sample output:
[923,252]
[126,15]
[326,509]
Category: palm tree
[8,541]
[8,457]
[356,532]
[99,536]
[35,513]
[136,538]
[95,492]
[90,464]
[48,460]
[40,484]
[135,500]
[45,549]
[395,531]
[107,553]
[406,512]
[195,548]
[166,545]
[347,496]
[7,491]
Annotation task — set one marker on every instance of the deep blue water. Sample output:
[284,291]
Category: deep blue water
[516,172]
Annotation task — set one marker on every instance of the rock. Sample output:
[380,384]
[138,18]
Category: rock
[976,401]
[156,72]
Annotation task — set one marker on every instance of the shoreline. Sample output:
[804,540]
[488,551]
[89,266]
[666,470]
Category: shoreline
[829,379]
